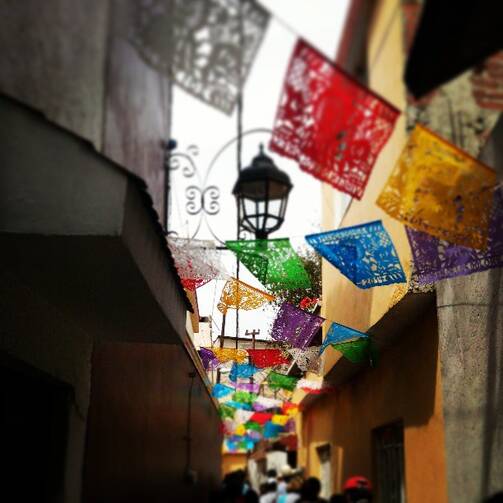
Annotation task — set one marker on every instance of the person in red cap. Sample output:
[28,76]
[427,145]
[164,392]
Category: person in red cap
[358,489]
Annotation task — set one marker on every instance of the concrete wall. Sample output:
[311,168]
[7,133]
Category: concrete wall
[72,61]
[470,313]
[138,416]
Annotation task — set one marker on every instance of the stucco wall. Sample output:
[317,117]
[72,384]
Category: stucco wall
[405,385]
[136,443]
[233,462]
[362,308]
[72,61]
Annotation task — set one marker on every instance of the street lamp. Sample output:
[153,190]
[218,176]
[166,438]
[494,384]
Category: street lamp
[261,194]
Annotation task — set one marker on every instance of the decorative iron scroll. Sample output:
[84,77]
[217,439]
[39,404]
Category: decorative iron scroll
[437,188]
[364,253]
[203,40]
[331,125]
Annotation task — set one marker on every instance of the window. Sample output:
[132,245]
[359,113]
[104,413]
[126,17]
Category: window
[389,463]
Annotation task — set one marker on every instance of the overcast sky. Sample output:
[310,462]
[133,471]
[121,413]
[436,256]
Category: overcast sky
[194,123]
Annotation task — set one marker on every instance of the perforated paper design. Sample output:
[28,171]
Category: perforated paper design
[340,333]
[208,358]
[272,430]
[242,370]
[436,259]
[264,358]
[273,262]
[196,261]
[307,359]
[331,125]
[364,253]
[224,355]
[239,295]
[202,37]
[248,386]
[221,390]
[263,403]
[357,351]
[295,326]
[281,381]
[438,189]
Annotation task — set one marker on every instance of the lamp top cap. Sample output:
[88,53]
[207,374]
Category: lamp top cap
[262,168]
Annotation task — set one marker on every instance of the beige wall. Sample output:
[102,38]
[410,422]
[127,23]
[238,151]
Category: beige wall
[233,462]
[405,386]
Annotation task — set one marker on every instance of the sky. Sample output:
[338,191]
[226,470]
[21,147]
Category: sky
[201,131]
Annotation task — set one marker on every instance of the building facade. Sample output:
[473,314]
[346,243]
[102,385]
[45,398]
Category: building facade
[424,425]
[103,395]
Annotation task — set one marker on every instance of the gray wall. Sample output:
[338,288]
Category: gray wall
[71,60]
[470,317]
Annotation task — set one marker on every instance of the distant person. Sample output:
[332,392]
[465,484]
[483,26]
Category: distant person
[293,491]
[358,489]
[495,498]
[269,494]
[272,475]
[285,475]
[310,490]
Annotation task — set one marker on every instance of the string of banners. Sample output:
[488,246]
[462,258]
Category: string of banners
[450,203]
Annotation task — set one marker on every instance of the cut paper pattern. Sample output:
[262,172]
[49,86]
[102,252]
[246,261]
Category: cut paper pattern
[226,412]
[435,259]
[314,387]
[265,403]
[261,417]
[240,430]
[264,358]
[290,409]
[224,355]
[248,386]
[358,351]
[221,390]
[244,397]
[307,359]
[364,253]
[280,419]
[295,326]
[439,189]
[238,405]
[253,425]
[243,416]
[340,333]
[202,39]
[239,295]
[273,262]
[195,263]
[242,370]
[281,381]
[272,430]
[254,435]
[208,358]
[331,125]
